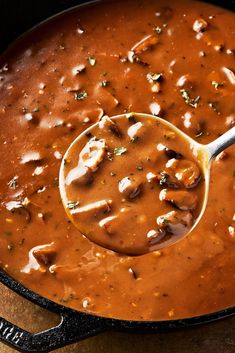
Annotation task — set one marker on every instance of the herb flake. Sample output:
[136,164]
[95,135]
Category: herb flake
[72,204]
[79,96]
[158,30]
[119,151]
[216,84]
[163,178]
[13,183]
[192,102]
[153,77]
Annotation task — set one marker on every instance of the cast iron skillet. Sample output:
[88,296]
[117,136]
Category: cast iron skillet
[75,325]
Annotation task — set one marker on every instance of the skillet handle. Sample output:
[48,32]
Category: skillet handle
[72,327]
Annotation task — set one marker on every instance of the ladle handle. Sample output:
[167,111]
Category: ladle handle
[222,142]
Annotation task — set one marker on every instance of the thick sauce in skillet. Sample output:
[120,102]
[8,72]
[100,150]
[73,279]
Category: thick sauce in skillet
[65,76]
[132,184]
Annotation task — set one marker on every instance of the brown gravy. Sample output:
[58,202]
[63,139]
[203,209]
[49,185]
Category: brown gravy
[66,75]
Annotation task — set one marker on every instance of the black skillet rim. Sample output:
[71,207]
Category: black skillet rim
[108,323]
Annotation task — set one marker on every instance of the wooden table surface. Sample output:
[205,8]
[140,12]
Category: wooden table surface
[218,337]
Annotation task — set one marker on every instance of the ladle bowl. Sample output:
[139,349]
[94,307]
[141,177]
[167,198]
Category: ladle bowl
[204,155]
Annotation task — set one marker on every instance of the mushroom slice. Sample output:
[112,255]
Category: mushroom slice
[94,209]
[76,70]
[230,75]
[200,25]
[44,255]
[17,206]
[183,200]
[187,82]
[155,107]
[172,153]
[151,177]
[108,124]
[108,224]
[176,222]
[156,236]
[185,171]
[40,257]
[134,131]
[81,175]
[168,180]
[130,187]
[31,157]
[145,44]
[92,153]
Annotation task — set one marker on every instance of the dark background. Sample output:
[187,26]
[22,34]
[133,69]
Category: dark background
[16,16]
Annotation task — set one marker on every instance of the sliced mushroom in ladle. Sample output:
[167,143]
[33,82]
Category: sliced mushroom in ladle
[135,183]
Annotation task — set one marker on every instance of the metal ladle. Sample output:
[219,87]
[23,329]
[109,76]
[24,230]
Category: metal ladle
[204,154]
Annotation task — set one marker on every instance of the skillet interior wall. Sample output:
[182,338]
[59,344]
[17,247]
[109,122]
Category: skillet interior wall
[17,16]
[120,9]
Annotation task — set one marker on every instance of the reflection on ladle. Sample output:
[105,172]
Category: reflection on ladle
[135,183]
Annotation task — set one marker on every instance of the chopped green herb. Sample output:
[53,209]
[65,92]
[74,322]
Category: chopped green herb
[163,178]
[192,102]
[151,77]
[13,183]
[165,221]
[119,151]
[105,83]
[72,204]
[158,30]
[217,84]
[79,96]
[92,60]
